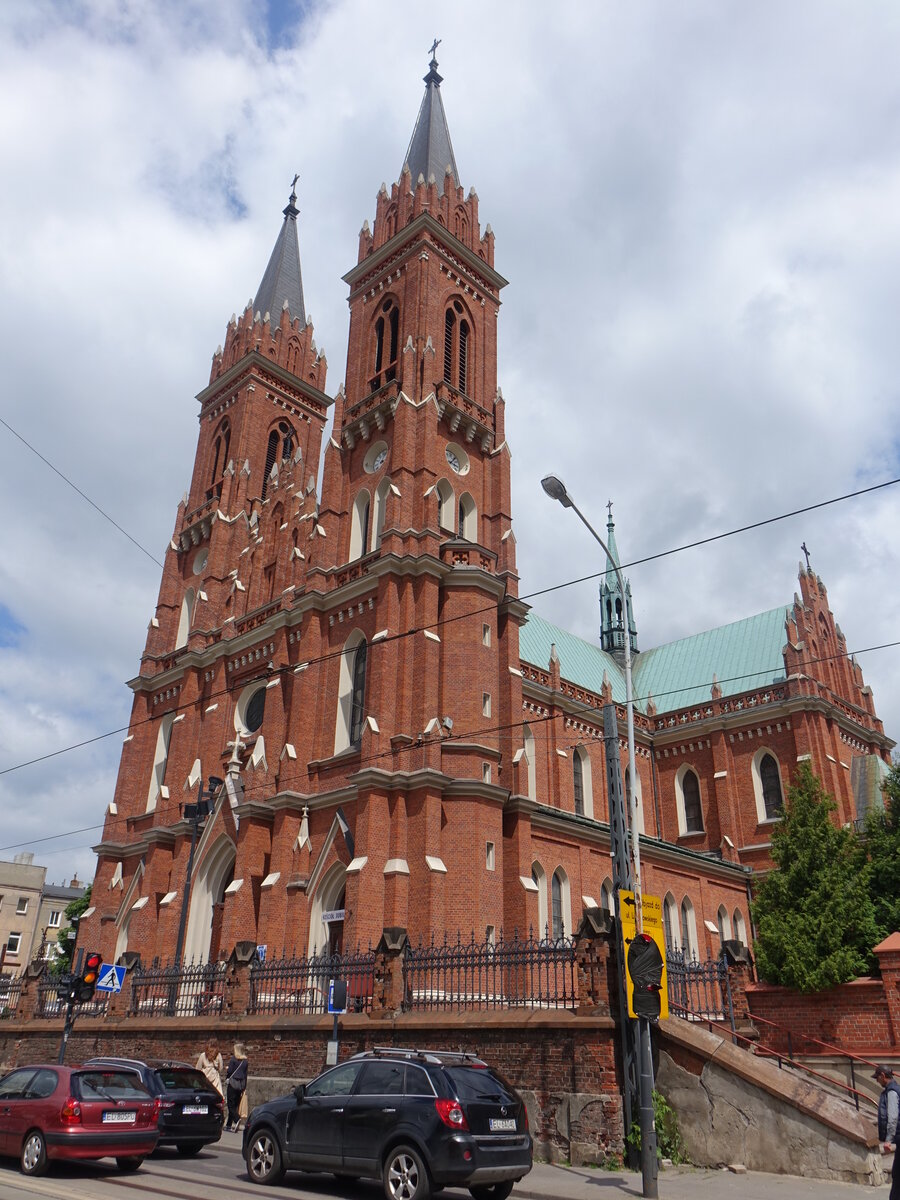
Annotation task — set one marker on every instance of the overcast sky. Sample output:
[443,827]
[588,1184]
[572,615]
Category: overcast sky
[697,206]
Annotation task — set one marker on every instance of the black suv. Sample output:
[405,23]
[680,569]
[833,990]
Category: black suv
[191,1110]
[418,1120]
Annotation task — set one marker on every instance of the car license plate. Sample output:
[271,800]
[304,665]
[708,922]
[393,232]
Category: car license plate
[503,1124]
[196,1110]
[119,1118]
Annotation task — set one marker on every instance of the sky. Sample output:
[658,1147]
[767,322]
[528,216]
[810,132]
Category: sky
[697,207]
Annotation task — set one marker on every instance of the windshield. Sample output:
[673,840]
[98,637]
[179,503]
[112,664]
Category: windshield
[176,1079]
[108,1085]
[476,1083]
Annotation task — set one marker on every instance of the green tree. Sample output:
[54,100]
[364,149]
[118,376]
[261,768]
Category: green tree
[814,914]
[63,961]
[881,844]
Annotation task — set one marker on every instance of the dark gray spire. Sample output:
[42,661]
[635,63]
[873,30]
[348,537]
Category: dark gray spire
[430,149]
[282,281]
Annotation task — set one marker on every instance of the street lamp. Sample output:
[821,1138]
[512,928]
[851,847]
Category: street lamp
[556,490]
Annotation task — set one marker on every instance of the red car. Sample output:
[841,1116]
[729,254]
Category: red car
[49,1112]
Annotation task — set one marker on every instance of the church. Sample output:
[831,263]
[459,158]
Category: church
[346,719]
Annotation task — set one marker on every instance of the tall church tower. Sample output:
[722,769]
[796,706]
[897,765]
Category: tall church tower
[349,663]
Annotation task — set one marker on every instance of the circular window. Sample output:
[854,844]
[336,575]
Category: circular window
[457,458]
[375,458]
[201,558]
[250,709]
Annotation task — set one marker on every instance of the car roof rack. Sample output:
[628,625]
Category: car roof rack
[424,1055]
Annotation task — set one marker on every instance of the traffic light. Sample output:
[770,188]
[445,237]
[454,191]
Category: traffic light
[87,981]
[644,971]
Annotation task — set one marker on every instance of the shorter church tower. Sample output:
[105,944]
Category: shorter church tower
[615,609]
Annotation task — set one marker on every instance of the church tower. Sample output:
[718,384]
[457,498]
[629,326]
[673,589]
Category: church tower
[347,663]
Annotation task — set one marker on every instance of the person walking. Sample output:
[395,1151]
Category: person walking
[210,1063]
[236,1086]
[888,1119]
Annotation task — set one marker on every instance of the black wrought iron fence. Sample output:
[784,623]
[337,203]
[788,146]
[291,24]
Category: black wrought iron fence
[10,994]
[699,991]
[51,1004]
[189,990]
[300,985]
[515,973]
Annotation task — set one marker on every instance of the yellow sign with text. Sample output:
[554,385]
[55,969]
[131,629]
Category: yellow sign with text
[646,985]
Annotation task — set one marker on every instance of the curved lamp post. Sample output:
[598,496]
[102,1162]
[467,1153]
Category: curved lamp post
[556,490]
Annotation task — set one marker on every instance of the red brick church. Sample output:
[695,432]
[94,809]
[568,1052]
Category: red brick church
[400,740]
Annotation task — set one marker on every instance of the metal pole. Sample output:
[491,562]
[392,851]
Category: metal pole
[649,1167]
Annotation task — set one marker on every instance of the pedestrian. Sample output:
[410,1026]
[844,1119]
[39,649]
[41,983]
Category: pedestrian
[210,1063]
[888,1118]
[236,1085]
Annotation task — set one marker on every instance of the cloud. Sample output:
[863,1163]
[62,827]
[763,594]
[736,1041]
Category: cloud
[696,207]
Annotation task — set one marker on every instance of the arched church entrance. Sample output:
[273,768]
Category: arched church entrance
[326,918]
[202,941]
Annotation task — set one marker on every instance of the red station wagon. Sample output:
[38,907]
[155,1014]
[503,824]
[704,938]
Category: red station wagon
[49,1112]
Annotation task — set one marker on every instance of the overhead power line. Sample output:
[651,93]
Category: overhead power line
[469,614]
[75,487]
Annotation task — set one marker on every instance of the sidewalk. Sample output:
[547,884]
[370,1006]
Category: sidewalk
[548,1182]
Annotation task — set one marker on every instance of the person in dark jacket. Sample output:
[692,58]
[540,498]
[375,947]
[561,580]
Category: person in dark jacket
[888,1119]
[236,1085]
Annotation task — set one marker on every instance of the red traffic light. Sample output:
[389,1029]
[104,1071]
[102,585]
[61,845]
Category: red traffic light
[90,972]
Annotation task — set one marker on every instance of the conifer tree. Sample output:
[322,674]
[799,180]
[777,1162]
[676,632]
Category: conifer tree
[882,848]
[814,915]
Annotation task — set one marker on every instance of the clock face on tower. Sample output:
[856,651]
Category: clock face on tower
[452,459]
[376,458]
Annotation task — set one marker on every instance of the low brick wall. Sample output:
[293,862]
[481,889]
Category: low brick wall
[564,1065]
[853,1017]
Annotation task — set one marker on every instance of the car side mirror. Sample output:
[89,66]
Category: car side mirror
[299,1092]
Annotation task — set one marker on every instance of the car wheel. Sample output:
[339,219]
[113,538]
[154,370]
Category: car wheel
[129,1162]
[34,1154]
[492,1191]
[405,1176]
[264,1163]
[188,1149]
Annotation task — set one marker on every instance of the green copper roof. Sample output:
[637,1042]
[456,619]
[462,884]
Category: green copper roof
[580,662]
[743,656]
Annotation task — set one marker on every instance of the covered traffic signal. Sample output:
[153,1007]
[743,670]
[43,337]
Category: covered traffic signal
[645,970]
[87,981]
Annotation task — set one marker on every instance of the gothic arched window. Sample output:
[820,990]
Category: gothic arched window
[771,786]
[358,694]
[556,919]
[220,459]
[387,339]
[457,347]
[693,812]
[271,457]
[578,781]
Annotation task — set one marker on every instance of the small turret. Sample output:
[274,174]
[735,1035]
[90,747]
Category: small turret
[615,609]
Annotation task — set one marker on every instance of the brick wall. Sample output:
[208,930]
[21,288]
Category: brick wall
[853,1017]
[551,1058]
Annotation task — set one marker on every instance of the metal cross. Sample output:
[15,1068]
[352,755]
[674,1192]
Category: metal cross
[294,182]
[609,508]
[806,552]
[434,46]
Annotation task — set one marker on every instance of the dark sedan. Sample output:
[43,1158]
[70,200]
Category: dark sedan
[52,1112]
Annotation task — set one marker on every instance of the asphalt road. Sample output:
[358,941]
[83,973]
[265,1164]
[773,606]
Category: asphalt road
[219,1172]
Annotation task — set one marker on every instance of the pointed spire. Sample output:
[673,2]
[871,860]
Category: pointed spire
[282,284]
[616,615]
[430,150]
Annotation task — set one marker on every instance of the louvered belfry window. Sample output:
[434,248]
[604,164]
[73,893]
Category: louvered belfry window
[449,326]
[358,695]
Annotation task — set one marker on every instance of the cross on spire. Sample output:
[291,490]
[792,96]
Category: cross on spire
[433,50]
[609,508]
[806,552]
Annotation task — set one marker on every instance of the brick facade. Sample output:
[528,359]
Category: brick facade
[269,589]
